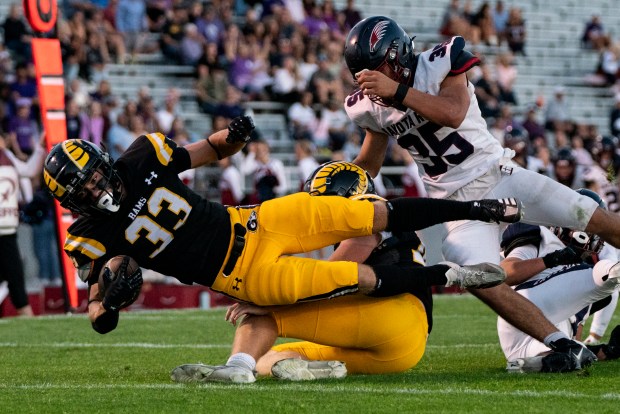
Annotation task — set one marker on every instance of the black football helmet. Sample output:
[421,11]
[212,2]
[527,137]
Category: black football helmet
[378,41]
[589,245]
[70,165]
[339,178]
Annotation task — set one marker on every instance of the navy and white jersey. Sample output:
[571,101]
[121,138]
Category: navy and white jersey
[161,223]
[448,158]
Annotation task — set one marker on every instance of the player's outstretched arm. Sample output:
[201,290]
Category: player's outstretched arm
[221,144]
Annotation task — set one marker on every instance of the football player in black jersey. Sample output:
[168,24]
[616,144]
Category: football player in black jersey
[138,206]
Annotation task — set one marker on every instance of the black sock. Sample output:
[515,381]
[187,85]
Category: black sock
[409,214]
[396,279]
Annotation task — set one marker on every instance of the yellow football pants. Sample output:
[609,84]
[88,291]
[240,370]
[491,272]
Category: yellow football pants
[371,335]
[297,223]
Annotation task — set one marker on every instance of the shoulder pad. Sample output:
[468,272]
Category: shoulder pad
[520,234]
[461,60]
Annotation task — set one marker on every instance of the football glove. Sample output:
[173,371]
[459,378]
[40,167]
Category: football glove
[565,256]
[124,289]
[239,129]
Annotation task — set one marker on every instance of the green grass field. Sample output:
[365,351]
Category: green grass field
[60,365]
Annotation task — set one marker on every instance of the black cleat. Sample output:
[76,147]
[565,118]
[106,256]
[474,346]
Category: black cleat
[581,356]
[612,349]
[558,362]
[507,210]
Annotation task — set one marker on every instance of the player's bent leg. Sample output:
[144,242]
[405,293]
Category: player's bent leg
[189,373]
[606,225]
[516,310]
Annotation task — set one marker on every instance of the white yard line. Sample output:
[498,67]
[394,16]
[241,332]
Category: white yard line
[325,388]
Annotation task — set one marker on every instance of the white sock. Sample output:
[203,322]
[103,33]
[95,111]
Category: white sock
[243,360]
[554,337]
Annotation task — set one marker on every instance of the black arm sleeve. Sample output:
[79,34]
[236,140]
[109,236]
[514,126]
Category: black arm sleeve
[106,322]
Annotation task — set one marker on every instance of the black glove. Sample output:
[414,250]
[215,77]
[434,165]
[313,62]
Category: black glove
[124,290]
[239,129]
[565,256]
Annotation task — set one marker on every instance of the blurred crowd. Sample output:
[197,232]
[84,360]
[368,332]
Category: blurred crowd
[283,51]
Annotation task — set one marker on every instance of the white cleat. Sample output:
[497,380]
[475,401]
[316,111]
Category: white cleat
[295,369]
[212,373]
[478,276]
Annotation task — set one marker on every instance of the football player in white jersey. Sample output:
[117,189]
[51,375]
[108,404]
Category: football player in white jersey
[568,275]
[428,105]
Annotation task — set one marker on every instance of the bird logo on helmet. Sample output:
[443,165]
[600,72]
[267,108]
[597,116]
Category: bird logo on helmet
[70,165]
[587,244]
[376,42]
[339,178]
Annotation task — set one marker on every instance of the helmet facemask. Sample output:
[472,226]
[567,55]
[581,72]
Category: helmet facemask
[109,199]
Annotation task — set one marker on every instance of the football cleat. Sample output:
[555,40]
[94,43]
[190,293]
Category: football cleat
[507,210]
[295,369]
[212,373]
[581,356]
[612,349]
[525,365]
[478,276]
[559,362]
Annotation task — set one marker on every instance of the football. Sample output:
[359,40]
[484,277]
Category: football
[113,265]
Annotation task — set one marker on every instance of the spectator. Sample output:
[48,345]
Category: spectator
[39,214]
[302,118]
[22,131]
[76,91]
[17,36]
[172,34]
[557,112]
[73,119]
[24,86]
[192,45]
[210,26]
[324,84]
[306,163]
[531,124]
[500,19]
[334,123]
[166,115]
[605,153]
[11,265]
[351,14]
[130,21]
[230,183]
[94,59]
[93,124]
[483,20]
[566,170]
[211,87]
[314,24]
[136,126]
[488,93]
[614,117]
[506,75]
[231,106]
[455,22]
[516,33]
[609,64]
[594,36]
[119,137]
[287,82]
[269,176]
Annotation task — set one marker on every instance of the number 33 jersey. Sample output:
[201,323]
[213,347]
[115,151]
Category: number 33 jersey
[448,158]
[161,223]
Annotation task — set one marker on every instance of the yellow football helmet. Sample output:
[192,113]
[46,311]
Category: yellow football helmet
[340,178]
